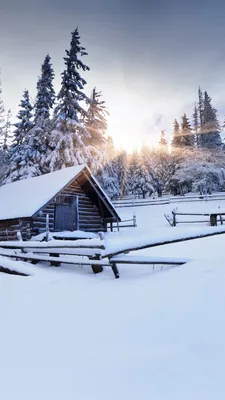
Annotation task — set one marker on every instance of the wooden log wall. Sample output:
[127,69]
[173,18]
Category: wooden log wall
[89,217]
[10,227]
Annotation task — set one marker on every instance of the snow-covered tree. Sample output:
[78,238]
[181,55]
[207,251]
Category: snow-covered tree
[108,179]
[6,132]
[158,165]
[200,112]
[2,112]
[177,138]
[196,126]
[20,152]
[45,92]
[188,139]
[132,166]
[38,146]
[121,160]
[96,124]
[140,182]
[95,120]
[198,171]
[67,138]
[163,144]
[25,120]
[210,136]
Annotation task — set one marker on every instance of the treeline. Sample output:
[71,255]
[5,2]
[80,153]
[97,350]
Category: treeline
[70,128]
[56,131]
[193,161]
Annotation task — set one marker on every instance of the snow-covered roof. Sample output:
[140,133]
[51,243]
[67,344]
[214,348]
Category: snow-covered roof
[24,198]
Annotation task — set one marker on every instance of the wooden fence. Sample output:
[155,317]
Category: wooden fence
[166,199]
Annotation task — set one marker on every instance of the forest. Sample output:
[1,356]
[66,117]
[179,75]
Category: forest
[56,131]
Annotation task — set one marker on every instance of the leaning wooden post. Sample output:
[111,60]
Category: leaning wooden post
[134,220]
[213,219]
[174,218]
[47,228]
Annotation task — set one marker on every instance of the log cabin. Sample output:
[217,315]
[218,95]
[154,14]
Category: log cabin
[71,197]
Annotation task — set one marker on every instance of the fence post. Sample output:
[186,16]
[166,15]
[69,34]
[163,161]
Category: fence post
[47,227]
[118,226]
[174,218]
[134,220]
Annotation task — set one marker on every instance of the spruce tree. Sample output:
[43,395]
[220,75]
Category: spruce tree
[2,115]
[188,139]
[67,138]
[200,106]
[108,174]
[95,120]
[96,124]
[43,105]
[163,145]
[210,130]
[45,93]
[108,178]
[177,138]
[140,180]
[121,161]
[24,116]
[7,136]
[20,166]
[196,125]
[132,167]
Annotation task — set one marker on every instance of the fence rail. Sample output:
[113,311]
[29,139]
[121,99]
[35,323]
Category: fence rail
[134,202]
[126,223]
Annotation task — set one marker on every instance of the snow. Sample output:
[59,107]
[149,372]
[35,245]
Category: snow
[147,259]
[23,198]
[66,234]
[82,243]
[67,333]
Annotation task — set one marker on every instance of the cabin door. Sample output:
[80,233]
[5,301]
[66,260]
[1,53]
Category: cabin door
[66,213]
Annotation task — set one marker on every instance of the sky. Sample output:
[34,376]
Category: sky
[147,57]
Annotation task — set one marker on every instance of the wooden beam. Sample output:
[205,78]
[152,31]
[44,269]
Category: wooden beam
[162,243]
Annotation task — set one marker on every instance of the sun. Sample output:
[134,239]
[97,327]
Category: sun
[129,137]
[129,122]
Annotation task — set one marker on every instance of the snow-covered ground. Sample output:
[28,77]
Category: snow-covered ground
[69,334]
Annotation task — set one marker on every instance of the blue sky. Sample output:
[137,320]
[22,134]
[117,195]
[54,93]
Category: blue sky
[147,57]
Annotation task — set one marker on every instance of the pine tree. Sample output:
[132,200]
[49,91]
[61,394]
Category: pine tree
[108,174]
[2,114]
[24,115]
[140,180]
[67,138]
[163,145]
[132,167]
[196,125]
[45,93]
[188,139]
[7,135]
[108,179]
[43,105]
[96,124]
[121,161]
[210,131]
[200,106]
[95,120]
[20,152]
[177,138]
